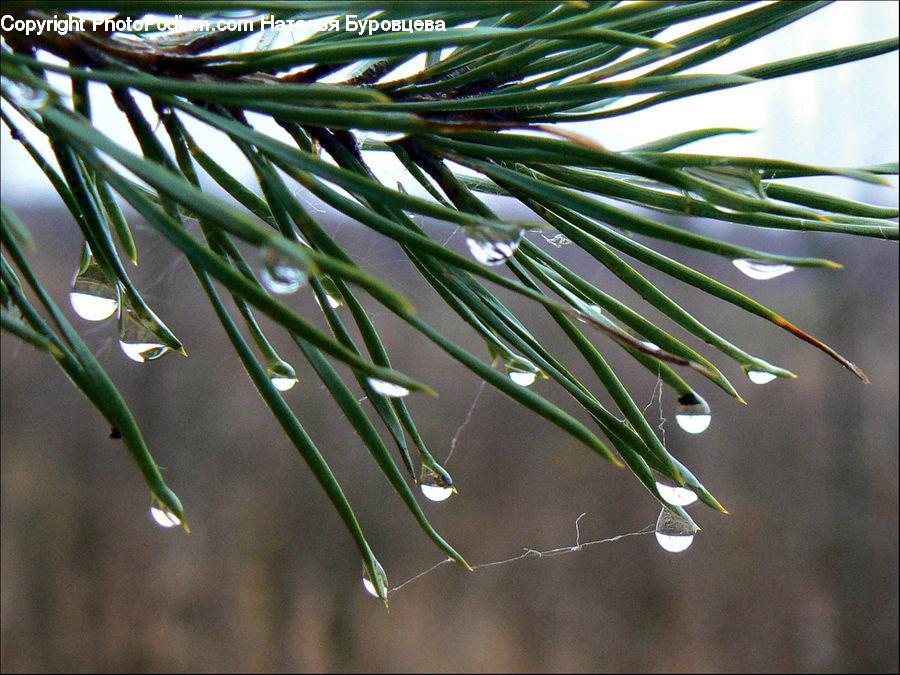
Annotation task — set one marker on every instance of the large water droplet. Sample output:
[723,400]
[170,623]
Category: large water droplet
[163,516]
[388,389]
[676,495]
[283,383]
[435,486]
[522,377]
[370,587]
[760,376]
[492,245]
[521,371]
[673,533]
[282,277]
[692,413]
[757,269]
[93,296]
[137,341]
[282,375]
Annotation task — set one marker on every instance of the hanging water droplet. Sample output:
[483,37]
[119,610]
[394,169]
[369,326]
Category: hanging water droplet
[676,495]
[282,375]
[137,341]
[163,516]
[370,586]
[23,95]
[491,245]
[435,486]
[388,389]
[283,383]
[522,377]
[673,533]
[282,277]
[93,296]
[332,295]
[758,269]
[692,413]
[760,376]
[521,371]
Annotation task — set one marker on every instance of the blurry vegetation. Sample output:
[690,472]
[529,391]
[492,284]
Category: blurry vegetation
[477,115]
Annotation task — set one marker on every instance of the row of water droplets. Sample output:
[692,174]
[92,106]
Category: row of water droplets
[673,533]
[493,246]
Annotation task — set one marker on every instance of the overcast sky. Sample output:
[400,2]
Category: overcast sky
[846,115]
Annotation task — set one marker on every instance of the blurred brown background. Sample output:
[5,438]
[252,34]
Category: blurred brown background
[801,576]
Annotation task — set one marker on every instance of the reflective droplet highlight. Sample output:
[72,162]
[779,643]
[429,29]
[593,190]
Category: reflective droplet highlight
[137,341]
[692,413]
[93,296]
[24,96]
[521,371]
[492,245]
[435,486]
[388,389]
[282,375]
[650,346]
[384,136]
[163,516]
[332,295]
[282,278]
[760,376]
[673,533]
[676,495]
[283,383]
[522,378]
[757,269]
[370,586]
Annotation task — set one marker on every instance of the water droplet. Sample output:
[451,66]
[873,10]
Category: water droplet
[282,375]
[522,377]
[144,337]
[692,413]
[388,389]
[521,371]
[650,346]
[370,586]
[435,486]
[558,240]
[760,376]
[282,277]
[492,245]
[163,516]
[676,495]
[674,533]
[137,341]
[332,294]
[93,296]
[283,383]
[757,269]
[383,136]
[24,96]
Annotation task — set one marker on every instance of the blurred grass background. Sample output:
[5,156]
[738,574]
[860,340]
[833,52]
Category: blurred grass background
[801,576]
